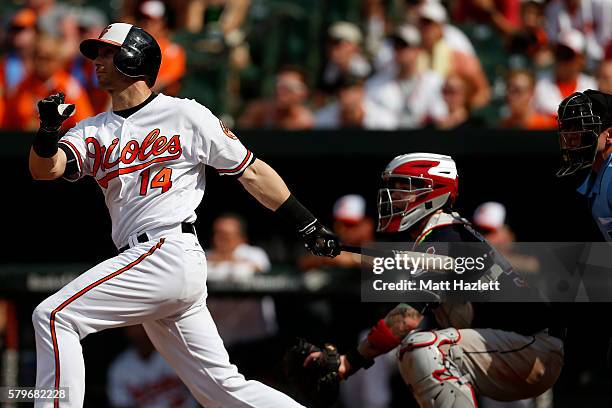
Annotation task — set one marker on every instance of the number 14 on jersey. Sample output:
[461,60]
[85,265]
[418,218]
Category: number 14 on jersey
[162,179]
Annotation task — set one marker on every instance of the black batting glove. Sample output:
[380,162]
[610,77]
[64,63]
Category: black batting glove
[53,112]
[320,240]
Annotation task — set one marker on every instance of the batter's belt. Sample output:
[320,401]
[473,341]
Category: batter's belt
[186,227]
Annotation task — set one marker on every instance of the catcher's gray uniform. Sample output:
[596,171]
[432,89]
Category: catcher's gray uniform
[447,368]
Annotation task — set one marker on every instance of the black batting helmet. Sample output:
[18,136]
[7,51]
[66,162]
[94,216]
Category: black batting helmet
[581,117]
[139,54]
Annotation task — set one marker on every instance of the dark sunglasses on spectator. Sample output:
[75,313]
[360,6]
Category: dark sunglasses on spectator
[336,41]
[400,44]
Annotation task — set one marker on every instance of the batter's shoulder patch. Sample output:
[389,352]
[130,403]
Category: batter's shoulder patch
[227,131]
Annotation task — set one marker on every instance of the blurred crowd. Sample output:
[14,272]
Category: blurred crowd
[295,65]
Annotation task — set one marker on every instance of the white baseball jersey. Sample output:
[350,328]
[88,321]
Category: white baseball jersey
[150,165]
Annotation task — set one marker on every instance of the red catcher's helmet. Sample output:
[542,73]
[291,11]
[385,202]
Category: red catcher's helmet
[414,186]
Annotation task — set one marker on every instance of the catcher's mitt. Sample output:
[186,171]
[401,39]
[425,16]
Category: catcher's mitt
[319,382]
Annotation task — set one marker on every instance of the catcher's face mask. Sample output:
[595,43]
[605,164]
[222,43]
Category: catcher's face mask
[579,129]
[398,197]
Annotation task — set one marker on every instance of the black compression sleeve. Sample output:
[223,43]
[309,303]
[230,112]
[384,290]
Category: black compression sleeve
[45,142]
[71,161]
[294,212]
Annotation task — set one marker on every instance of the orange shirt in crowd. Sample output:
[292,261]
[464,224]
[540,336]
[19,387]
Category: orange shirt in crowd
[567,87]
[535,121]
[173,66]
[21,110]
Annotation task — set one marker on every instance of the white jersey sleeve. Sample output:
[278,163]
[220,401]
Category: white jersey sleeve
[75,140]
[216,145]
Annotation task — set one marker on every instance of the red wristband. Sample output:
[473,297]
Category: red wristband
[381,337]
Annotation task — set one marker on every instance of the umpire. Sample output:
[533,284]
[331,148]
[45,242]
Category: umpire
[585,137]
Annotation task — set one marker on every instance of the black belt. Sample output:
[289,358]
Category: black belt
[186,228]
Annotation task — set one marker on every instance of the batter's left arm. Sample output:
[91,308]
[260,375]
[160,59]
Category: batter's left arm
[264,183]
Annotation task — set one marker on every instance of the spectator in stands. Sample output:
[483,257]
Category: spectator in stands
[520,87]
[286,110]
[241,322]
[530,39]
[91,22]
[501,14]
[343,56]
[453,36]
[58,20]
[567,77]
[230,256]
[354,109]
[221,23]
[140,377]
[353,227]
[375,25]
[490,220]
[229,15]
[591,17]
[456,94]
[152,17]
[442,58]
[47,77]
[411,97]
[604,76]
[17,60]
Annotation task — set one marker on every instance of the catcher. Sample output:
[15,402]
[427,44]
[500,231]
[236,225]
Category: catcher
[454,350]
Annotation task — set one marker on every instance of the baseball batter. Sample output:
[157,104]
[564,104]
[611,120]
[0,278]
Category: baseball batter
[585,137]
[459,349]
[148,156]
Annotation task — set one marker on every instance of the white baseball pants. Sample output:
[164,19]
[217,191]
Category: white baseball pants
[160,284]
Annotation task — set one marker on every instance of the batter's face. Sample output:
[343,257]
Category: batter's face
[109,78]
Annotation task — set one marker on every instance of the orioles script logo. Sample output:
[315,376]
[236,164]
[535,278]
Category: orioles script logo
[150,152]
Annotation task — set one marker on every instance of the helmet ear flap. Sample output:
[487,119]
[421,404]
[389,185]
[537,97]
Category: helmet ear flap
[128,61]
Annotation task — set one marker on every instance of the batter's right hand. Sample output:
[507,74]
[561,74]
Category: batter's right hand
[53,111]
[321,241]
